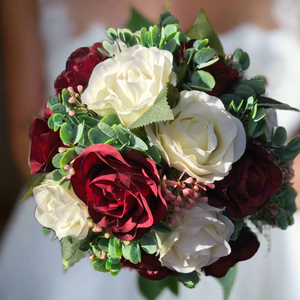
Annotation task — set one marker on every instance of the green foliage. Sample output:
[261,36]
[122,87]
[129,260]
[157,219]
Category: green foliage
[66,133]
[137,21]
[202,29]
[227,282]
[99,265]
[242,59]
[203,81]
[150,242]
[162,227]
[189,280]
[46,230]
[71,252]
[159,112]
[266,102]
[37,182]
[151,289]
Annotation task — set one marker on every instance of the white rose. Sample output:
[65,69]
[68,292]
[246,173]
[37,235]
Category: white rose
[200,240]
[203,139]
[60,209]
[129,83]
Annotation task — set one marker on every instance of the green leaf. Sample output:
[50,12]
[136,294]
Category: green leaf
[127,34]
[169,46]
[78,133]
[66,133]
[203,80]
[122,135]
[259,115]
[260,128]
[56,175]
[155,38]
[108,47]
[46,230]
[245,91]
[97,137]
[227,282]
[109,120]
[71,252]
[137,21]
[153,152]
[99,265]
[58,108]
[111,247]
[53,100]
[114,260]
[159,112]
[266,102]
[65,97]
[103,244]
[116,267]
[162,227]
[280,136]
[148,243]
[118,247]
[51,122]
[199,44]
[202,29]
[111,33]
[90,121]
[169,20]
[242,58]
[151,289]
[107,264]
[170,31]
[204,55]
[137,143]
[58,119]
[69,155]
[107,130]
[37,182]
[143,37]
[134,256]
[126,250]
[189,279]
[56,160]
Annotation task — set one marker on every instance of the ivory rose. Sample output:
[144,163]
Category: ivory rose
[60,209]
[129,83]
[200,240]
[203,139]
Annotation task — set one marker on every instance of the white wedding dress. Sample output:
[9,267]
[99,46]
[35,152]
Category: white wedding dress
[30,263]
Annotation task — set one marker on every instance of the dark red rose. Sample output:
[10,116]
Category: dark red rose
[150,267]
[121,190]
[79,68]
[249,185]
[243,248]
[225,77]
[44,145]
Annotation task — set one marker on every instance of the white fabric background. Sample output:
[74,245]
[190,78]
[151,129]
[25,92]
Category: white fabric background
[30,263]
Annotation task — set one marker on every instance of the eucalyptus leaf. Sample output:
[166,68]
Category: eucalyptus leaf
[99,265]
[97,137]
[118,247]
[126,250]
[56,160]
[66,133]
[203,80]
[148,243]
[58,108]
[260,128]
[78,133]
[56,175]
[103,244]
[90,121]
[69,155]
[134,255]
[204,55]
[109,119]
[162,227]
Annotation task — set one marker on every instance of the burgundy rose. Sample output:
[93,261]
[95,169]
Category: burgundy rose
[150,267]
[225,77]
[242,249]
[249,185]
[79,68]
[44,144]
[121,190]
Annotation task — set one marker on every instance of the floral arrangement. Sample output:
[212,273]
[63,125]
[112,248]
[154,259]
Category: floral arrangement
[156,152]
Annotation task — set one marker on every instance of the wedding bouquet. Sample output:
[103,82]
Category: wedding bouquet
[157,152]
